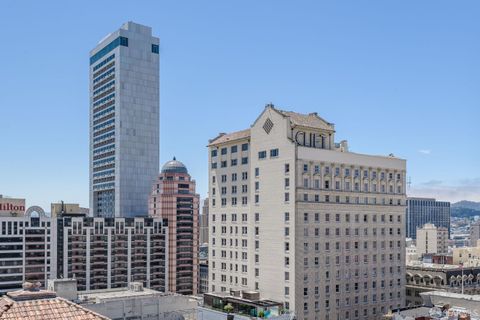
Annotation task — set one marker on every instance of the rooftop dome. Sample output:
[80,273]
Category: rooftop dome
[174,166]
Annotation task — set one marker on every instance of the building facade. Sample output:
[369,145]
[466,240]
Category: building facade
[204,222]
[474,233]
[302,220]
[467,256]
[431,239]
[421,211]
[425,277]
[106,253]
[25,249]
[203,268]
[124,121]
[173,198]
[61,208]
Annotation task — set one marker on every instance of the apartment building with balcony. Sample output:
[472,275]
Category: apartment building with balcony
[108,253]
[26,243]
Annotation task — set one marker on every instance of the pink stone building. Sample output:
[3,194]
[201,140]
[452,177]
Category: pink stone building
[173,198]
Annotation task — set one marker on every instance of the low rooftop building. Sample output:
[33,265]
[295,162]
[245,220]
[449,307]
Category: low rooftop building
[243,303]
[33,303]
[133,302]
[441,306]
[424,277]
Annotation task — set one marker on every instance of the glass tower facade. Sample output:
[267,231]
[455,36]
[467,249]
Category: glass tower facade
[124,121]
[425,210]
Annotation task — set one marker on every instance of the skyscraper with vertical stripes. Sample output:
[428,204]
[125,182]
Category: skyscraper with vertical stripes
[124,121]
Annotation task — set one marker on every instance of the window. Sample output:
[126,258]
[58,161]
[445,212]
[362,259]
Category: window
[223,164]
[245,147]
[244,160]
[287,196]
[214,153]
[305,167]
[233,149]
[273,153]
[287,216]
[262,154]
[287,182]
[155,48]
[257,172]
[287,168]
[223,151]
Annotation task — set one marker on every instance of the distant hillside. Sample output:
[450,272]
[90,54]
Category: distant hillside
[467,205]
[465,209]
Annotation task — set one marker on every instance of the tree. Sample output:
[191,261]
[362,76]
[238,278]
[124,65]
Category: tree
[261,314]
[228,308]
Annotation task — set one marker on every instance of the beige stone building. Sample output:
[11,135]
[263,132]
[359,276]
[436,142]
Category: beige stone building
[474,233]
[302,220]
[467,256]
[59,208]
[431,239]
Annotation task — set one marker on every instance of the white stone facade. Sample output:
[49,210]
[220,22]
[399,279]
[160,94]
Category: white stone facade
[303,221]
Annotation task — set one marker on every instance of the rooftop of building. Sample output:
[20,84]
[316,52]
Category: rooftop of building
[174,166]
[445,294]
[310,120]
[32,303]
[230,137]
[135,290]
[440,305]
[417,265]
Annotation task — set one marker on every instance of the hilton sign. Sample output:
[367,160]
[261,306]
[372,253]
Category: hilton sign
[12,207]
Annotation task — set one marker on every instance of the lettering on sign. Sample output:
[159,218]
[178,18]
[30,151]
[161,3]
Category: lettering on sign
[310,139]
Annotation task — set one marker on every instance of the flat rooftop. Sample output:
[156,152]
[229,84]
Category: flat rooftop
[433,266]
[96,296]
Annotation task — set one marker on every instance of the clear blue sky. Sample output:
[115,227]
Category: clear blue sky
[394,76]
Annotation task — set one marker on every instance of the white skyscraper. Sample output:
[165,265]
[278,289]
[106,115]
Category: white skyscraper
[300,219]
[124,121]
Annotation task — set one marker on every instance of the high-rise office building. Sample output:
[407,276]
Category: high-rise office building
[124,121]
[300,219]
[421,211]
[173,198]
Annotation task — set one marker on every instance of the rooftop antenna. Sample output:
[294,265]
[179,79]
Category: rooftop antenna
[409,182]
